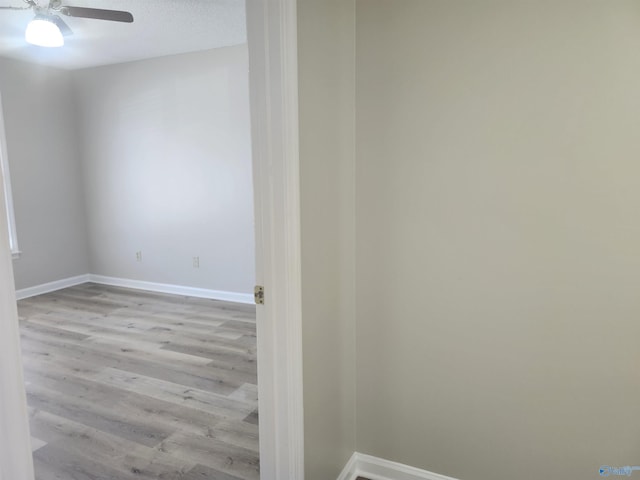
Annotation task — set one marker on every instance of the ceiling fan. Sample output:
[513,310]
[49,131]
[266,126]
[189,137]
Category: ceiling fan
[47,29]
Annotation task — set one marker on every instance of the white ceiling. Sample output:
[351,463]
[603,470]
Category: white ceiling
[160,27]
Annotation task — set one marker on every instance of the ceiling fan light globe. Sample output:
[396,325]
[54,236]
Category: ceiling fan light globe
[43,33]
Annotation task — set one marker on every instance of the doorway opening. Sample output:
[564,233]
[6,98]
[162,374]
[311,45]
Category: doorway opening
[143,171]
[273,86]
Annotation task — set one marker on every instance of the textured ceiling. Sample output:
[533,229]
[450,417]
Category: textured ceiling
[161,27]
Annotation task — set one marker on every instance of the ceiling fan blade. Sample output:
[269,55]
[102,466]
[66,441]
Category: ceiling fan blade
[97,13]
[64,28]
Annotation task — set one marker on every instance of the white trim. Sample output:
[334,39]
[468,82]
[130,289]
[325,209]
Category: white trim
[16,461]
[8,195]
[375,468]
[51,286]
[273,87]
[172,289]
[350,470]
[136,285]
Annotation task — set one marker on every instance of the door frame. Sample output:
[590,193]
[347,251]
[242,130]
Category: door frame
[16,461]
[273,84]
[273,80]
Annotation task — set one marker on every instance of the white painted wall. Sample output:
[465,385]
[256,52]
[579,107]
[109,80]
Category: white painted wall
[39,114]
[167,169]
[498,235]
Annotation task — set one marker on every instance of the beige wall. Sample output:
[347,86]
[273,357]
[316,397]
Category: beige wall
[44,161]
[498,236]
[326,82]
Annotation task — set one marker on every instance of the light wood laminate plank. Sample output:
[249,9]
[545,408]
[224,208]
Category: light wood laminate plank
[124,385]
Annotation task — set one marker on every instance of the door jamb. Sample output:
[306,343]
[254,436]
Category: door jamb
[273,80]
[16,460]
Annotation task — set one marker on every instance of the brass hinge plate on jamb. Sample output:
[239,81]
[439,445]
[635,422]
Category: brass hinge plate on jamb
[258,294]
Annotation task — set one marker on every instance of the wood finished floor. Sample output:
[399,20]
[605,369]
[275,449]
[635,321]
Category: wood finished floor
[126,385]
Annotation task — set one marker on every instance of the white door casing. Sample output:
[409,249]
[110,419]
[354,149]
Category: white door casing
[16,462]
[273,81]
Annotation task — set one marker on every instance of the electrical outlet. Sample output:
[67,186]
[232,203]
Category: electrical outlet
[139,256]
[196,262]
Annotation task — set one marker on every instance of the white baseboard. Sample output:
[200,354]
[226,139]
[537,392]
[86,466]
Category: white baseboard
[375,468]
[137,285]
[173,289]
[350,470]
[51,286]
